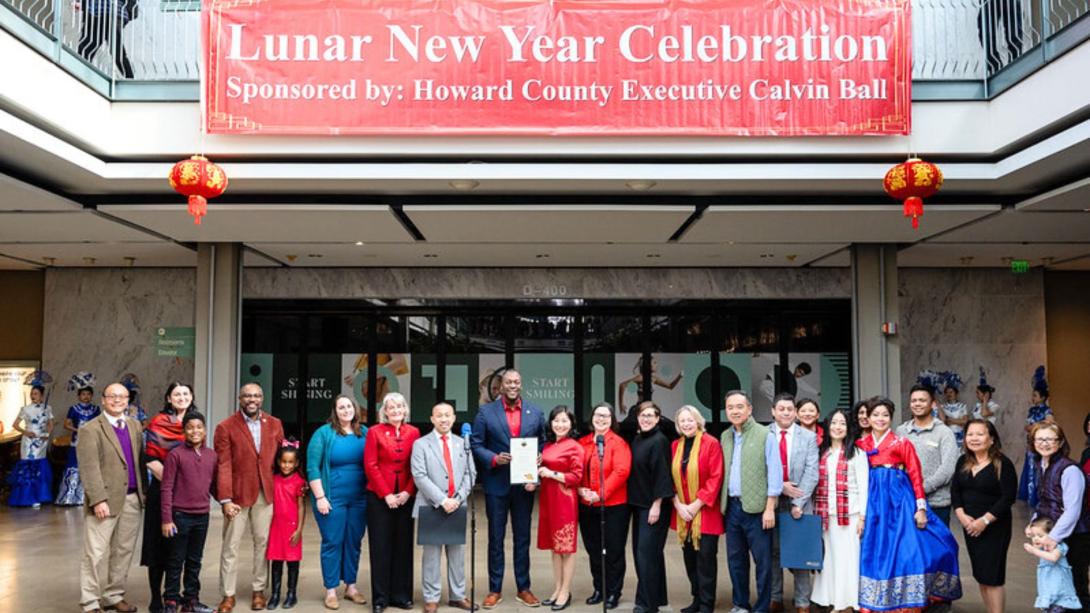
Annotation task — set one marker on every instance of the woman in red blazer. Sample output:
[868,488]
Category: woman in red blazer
[390,491]
[616,465]
[697,470]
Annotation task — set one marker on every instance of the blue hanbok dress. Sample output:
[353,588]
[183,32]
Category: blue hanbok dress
[71,490]
[902,566]
[1027,487]
[32,478]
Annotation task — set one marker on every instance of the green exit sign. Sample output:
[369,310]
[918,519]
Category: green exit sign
[1019,266]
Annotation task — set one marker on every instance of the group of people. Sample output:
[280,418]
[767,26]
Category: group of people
[882,495]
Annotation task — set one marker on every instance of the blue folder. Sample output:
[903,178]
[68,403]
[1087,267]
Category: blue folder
[800,541]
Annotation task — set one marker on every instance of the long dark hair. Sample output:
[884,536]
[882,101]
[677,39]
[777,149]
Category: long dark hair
[995,452]
[557,410]
[336,423]
[849,439]
[169,408]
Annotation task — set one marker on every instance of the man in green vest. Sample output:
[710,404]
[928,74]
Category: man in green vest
[754,482]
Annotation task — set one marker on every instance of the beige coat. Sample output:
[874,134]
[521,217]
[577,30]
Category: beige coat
[102,467]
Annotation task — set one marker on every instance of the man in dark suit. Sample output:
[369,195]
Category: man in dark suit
[113,482]
[497,423]
[246,444]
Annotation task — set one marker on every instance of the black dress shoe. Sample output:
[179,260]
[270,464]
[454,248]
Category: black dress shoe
[612,601]
[595,598]
[404,604]
[694,607]
[548,602]
[378,608]
[560,607]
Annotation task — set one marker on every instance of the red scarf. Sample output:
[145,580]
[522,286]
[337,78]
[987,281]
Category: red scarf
[821,498]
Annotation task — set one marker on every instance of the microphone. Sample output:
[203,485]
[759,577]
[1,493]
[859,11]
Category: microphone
[467,430]
[600,441]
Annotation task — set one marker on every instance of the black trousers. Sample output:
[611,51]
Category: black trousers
[1078,556]
[95,29]
[648,542]
[702,567]
[615,537]
[186,552]
[391,551]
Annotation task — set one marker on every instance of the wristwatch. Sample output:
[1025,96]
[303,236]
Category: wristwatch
[985,520]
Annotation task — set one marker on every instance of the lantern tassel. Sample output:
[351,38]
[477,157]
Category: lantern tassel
[198,207]
[914,208]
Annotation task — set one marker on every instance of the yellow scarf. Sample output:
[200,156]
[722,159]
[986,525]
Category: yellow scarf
[692,478]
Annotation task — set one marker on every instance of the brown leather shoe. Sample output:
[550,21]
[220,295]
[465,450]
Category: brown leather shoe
[257,602]
[527,598]
[331,602]
[463,604]
[227,605]
[121,607]
[493,599]
[431,607]
[775,607]
[355,597]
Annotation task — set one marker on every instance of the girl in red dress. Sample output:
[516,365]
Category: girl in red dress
[561,472]
[286,529]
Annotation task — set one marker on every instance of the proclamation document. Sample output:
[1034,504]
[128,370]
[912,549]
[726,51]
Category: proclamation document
[523,460]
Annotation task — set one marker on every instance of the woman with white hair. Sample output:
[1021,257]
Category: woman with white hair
[390,492]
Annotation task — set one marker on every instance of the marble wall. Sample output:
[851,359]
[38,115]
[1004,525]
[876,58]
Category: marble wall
[513,283]
[104,320]
[960,319]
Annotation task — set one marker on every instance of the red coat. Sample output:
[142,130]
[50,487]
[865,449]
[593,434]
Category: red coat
[386,458]
[241,469]
[710,474]
[618,464]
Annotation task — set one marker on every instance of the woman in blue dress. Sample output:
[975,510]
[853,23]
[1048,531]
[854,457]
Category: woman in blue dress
[32,478]
[909,558]
[71,490]
[1040,411]
[339,484]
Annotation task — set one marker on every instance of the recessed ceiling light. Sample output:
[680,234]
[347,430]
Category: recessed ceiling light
[431,255]
[464,185]
[359,243]
[640,185]
[89,261]
[541,255]
[130,260]
[765,256]
[654,255]
[314,255]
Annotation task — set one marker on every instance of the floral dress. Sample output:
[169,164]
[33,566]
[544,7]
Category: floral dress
[71,491]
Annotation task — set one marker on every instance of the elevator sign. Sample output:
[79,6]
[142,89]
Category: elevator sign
[652,67]
[174,342]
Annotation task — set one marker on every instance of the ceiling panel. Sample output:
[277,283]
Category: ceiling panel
[161,253]
[987,254]
[827,223]
[1073,197]
[16,195]
[267,222]
[7,263]
[548,223]
[544,254]
[1024,226]
[65,227]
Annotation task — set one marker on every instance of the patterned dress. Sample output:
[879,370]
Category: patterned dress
[32,478]
[1027,487]
[957,410]
[902,566]
[559,504]
[71,491]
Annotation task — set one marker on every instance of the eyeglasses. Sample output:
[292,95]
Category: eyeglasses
[1049,440]
[252,396]
[116,396]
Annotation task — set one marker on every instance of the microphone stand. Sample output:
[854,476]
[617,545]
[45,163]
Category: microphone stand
[472,532]
[602,517]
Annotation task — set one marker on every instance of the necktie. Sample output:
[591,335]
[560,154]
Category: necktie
[783,453]
[450,467]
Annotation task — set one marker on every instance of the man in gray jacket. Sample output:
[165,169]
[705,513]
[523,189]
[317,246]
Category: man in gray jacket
[935,445]
[799,454]
[444,476]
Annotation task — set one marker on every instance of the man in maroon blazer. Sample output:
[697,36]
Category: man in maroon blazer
[246,444]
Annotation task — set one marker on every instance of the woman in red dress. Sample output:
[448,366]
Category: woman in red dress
[561,472]
[697,470]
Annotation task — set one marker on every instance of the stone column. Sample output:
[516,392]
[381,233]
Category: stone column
[876,355]
[218,321]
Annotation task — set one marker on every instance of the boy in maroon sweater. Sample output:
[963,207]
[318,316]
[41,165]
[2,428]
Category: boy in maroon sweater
[189,482]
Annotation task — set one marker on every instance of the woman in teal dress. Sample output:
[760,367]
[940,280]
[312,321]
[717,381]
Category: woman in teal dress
[339,485]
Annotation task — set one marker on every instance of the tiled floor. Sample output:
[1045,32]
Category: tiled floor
[40,554]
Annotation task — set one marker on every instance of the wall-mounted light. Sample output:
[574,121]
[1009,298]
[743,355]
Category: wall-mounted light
[640,185]
[464,185]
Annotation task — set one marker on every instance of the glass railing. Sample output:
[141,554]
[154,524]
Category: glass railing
[964,42]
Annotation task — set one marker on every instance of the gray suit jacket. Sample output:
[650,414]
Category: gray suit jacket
[430,471]
[803,463]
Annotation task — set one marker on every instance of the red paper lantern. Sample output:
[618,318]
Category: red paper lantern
[200,180]
[912,181]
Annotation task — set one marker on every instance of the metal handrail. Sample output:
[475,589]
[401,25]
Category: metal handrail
[952,40]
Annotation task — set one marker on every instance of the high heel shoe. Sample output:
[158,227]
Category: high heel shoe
[548,602]
[561,607]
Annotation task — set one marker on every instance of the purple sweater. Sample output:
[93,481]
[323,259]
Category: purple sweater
[189,481]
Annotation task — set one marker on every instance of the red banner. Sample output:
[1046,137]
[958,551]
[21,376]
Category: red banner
[589,67]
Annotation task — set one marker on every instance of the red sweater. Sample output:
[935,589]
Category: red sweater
[618,464]
[189,481]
